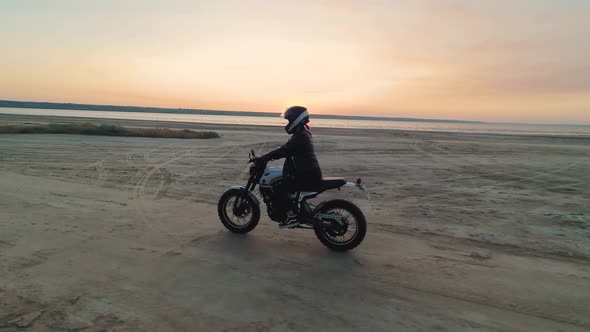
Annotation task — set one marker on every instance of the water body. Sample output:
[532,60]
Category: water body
[484,128]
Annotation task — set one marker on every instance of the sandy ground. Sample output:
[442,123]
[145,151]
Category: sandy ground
[465,232]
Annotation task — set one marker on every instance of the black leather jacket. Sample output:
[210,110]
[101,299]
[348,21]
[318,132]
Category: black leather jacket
[301,164]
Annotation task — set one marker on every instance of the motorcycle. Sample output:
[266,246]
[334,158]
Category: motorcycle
[339,224]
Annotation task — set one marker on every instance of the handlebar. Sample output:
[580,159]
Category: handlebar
[258,163]
[252,156]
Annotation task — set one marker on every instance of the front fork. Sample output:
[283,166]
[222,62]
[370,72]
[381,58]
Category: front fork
[239,207]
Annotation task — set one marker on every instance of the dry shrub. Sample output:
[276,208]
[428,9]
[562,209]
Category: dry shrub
[106,130]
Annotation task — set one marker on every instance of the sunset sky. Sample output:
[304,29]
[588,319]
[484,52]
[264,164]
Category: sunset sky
[526,61]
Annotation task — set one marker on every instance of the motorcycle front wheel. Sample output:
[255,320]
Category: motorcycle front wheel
[340,225]
[239,218]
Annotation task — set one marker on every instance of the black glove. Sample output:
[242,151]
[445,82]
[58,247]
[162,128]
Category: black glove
[263,160]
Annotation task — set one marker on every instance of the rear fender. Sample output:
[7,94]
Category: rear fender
[357,186]
[347,185]
[251,194]
[352,185]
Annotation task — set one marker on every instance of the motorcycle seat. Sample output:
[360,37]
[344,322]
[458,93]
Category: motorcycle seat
[332,183]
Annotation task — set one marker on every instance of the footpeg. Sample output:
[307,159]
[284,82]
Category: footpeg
[289,226]
[291,222]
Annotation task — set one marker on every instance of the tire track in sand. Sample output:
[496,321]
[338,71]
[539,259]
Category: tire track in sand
[240,175]
[519,178]
[139,186]
[451,158]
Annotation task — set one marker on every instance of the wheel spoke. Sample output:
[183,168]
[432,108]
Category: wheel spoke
[351,227]
[238,221]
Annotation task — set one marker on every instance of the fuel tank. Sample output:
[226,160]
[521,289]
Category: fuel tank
[271,175]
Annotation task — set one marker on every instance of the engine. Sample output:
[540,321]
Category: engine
[272,177]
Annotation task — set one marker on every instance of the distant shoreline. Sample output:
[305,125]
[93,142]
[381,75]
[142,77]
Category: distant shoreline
[38,119]
[141,109]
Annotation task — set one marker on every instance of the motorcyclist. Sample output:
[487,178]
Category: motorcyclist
[301,170]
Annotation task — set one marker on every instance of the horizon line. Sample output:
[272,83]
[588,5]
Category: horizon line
[134,108]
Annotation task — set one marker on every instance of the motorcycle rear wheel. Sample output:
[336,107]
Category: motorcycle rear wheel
[334,235]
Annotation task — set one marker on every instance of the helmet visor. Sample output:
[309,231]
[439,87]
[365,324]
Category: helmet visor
[285,113]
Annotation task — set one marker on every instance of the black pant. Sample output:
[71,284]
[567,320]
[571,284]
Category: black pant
[305,181]
[309,182]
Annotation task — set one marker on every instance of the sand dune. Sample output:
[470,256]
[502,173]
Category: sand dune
[465,232]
